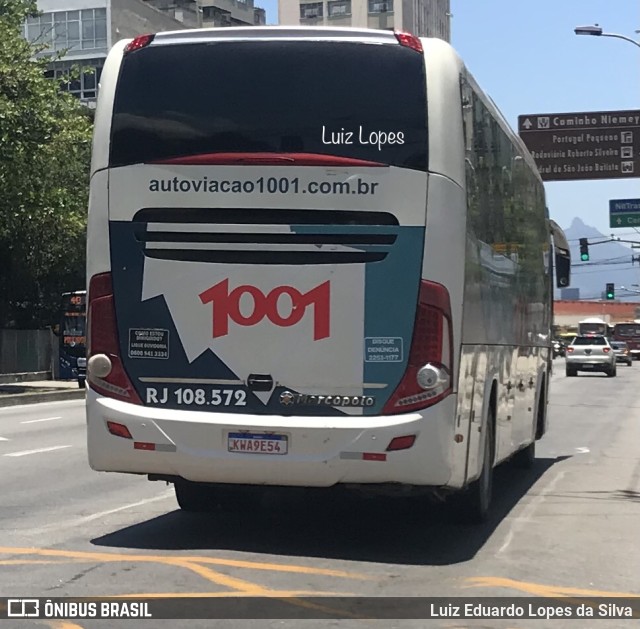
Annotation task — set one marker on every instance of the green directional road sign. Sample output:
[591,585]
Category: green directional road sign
[624,213]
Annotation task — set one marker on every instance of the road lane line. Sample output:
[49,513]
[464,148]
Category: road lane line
[38,451]
[528,511]
[3,439]
[46,419]
[97,516]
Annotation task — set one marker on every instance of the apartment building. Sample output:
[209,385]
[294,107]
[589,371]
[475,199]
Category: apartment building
[85,30]
[425,18]
[212,13]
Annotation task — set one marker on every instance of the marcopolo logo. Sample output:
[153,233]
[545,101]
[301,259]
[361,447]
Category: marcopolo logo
[273,306]
[288,398]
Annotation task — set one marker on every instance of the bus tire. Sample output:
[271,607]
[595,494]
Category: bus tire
[472,505]
[201,498]
[525,458]
[82,383]
[193,497]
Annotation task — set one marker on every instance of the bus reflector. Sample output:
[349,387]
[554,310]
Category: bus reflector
[409,40]
[374,456]
[401,443]
[141,445]
[102,338]
[119,430]
[139,42]
[427,378]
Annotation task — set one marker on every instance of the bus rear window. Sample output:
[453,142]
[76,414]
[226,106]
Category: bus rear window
[344,99]
[627,330]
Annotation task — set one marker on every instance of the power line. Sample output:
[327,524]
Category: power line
[628,268]
[609,239]
[611,262]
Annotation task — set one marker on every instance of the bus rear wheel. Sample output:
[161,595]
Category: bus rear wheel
[471,506]
[202,498]
[193,497]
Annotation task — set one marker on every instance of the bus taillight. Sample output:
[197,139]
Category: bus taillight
[104,365]
[409,40]
[427,379]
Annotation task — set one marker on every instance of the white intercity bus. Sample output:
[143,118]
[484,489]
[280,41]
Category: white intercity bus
[593,326]
[316,257]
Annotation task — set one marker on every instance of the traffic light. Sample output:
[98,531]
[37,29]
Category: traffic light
[584,250]
[611,291]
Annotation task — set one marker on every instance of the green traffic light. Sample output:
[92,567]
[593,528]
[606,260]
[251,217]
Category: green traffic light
[584,257]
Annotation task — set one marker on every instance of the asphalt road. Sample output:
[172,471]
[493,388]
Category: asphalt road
[567,527]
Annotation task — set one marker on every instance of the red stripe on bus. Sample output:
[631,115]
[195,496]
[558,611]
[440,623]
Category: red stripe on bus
[267,159]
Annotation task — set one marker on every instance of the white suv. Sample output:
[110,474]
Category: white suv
[590,353]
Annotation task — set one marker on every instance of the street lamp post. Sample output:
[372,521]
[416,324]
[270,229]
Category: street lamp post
[597,30]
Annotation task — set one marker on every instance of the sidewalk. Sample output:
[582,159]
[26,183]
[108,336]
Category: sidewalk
[33,392]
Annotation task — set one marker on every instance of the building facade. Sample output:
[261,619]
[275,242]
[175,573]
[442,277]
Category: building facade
[567,313]
[212,13]
[85,30]
[425,18]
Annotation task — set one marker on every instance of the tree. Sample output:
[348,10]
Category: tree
[45,139]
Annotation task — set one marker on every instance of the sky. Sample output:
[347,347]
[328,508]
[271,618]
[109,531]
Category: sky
[525,55]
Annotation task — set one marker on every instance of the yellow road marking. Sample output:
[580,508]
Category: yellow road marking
[327,572]
[62,624]
[240,586]
[543,590]
[28,562]
[271,594]
[218,578]
[171,560]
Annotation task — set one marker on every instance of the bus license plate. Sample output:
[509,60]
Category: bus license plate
[257,443]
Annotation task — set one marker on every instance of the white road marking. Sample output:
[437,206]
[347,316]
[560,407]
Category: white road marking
[528,511]
[97,516]
[35,421]
[3,439]
[38,451]
[582,450]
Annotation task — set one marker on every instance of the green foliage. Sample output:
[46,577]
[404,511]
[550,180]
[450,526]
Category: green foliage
[45,139]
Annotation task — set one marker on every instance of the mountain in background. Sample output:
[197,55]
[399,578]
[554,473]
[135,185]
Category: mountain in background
[608,262]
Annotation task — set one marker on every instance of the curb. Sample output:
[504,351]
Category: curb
[30,376]
[41,397]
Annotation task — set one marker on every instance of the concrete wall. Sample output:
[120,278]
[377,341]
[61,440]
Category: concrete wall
[24,351]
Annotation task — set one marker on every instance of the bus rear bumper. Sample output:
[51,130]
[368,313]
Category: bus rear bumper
[322,451]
